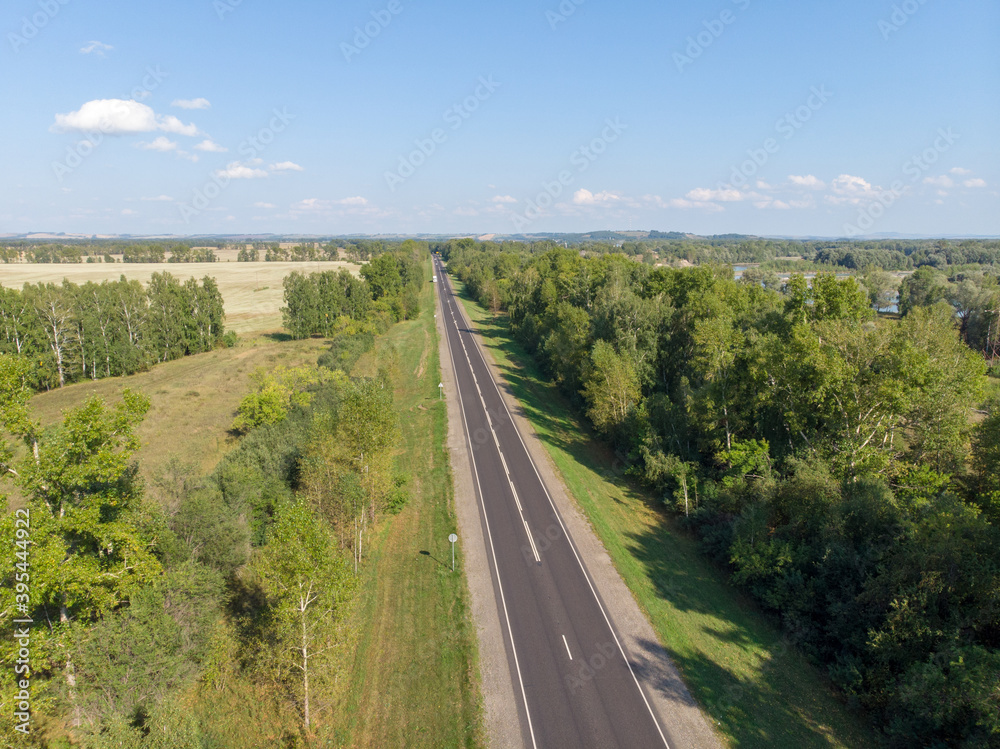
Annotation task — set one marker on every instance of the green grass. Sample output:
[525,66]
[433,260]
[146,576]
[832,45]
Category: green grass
[414,678]
[756,688]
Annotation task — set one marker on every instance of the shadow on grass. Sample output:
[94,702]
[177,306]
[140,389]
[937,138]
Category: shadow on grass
[277,336]
[774,705]
[428,554]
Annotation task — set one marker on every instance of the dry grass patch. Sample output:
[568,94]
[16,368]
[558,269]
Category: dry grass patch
[194,401]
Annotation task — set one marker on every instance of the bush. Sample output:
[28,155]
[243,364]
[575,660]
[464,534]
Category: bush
[398,495]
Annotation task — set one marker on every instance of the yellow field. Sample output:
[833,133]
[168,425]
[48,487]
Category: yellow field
[252,291]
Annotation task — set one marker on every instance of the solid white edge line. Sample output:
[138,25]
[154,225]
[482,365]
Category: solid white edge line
[569,539]
[496,567]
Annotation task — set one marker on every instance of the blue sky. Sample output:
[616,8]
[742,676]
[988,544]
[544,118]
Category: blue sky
[399,116]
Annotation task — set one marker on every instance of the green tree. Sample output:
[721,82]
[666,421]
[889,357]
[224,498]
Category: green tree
[383,277]
[307,583]
[923,288]
[882,287]
[611,387]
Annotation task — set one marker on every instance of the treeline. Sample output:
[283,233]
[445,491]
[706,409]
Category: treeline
[387,292]
[827,457]
[216,619]
[70,332]
[92,252]
[779,254]
[975,297]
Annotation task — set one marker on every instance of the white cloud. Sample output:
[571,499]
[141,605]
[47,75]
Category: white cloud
[850,189]
[119,117]
[977,182]
[159,198]
[210,145]
[128,212]
[99,47]
[724,195]
[465,211]
[810,181]
[319,204]
[324,207]
[586,197]
[942,181]
[504,199]
[685,204]
[171,124]
[163,143]
[191,103]
[236,170]
[264,205]
[960,171]
[286,166]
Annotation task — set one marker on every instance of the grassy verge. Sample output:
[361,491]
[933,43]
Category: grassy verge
[757,689]
[414,678]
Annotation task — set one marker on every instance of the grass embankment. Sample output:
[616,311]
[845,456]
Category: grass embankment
[414,675]
[757,689]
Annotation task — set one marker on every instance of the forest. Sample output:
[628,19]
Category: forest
[842,466]
[153,619]
[201,250]
[71,332]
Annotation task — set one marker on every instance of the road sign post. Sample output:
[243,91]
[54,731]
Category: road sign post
[453,538]
[440,391]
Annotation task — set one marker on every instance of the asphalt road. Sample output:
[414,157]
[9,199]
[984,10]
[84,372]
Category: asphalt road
[573,680]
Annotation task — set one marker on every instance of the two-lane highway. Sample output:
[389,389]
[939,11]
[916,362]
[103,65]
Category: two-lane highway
[572,676]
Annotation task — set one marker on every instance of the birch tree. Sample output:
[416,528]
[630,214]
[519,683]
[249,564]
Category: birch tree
[307,582]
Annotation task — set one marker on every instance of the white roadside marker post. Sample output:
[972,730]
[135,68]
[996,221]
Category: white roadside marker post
[453,538]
